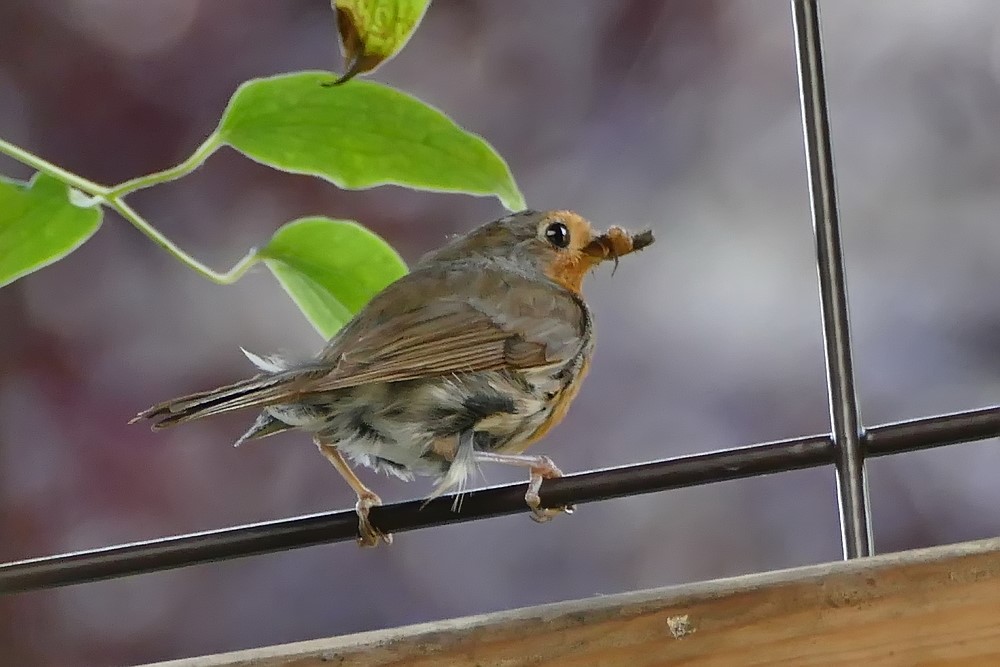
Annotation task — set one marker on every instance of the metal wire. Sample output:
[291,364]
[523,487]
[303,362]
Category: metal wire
[852,486]
[304,531]
[846,446]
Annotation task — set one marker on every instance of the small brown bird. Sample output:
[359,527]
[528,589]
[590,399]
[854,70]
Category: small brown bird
[471,357]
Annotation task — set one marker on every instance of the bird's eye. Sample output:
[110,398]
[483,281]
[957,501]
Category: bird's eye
[557,234]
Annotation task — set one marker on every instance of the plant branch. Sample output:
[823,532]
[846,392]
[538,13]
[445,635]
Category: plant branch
[227,278]
[112,197]
[46,167]
[202,153]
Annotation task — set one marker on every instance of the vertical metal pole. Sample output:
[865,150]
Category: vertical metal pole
[852,486]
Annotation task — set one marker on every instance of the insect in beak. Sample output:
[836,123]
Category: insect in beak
[615,243]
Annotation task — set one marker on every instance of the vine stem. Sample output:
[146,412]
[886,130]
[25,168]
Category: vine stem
[46,167]
[113,197]
[202,153]
[223,278]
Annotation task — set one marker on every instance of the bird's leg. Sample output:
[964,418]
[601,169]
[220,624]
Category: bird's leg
[370,535]
[541,468]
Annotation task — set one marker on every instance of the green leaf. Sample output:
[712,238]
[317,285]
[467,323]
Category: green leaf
[360,135]
[39,224]
[331,268]
[373,31]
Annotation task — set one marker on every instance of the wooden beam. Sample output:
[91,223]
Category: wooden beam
[938,606]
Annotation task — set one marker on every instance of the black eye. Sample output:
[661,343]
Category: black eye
[557,234]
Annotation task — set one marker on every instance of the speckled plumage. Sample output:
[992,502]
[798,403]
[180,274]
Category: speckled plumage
[472,356]
[411,427]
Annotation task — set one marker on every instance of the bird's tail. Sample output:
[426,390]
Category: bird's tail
[260,390]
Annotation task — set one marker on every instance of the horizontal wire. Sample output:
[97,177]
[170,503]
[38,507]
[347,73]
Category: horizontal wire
[292,533]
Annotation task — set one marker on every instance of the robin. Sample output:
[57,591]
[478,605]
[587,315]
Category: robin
[471,357]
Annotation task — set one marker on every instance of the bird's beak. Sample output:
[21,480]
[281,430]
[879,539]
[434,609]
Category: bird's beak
[615,243]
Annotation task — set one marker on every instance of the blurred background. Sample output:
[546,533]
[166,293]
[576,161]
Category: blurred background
[678,115]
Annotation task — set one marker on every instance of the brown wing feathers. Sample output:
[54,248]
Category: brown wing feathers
[459,338]
[385,345]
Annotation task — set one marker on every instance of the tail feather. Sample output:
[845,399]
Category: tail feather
[266,425]
[256,391]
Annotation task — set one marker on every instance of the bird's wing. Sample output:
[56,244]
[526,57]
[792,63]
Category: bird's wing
[453,319]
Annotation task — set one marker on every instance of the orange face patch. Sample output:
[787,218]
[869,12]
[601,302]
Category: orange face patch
[586,249]
[571,264]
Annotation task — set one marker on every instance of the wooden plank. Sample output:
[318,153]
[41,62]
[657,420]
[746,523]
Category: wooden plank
[938,606]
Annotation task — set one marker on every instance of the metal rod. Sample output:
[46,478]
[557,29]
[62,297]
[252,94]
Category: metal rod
[271,536]
[341,526]
[852,486]
[931,432]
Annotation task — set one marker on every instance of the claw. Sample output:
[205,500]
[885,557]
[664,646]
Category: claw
[541,468]
[370,535]
[544,469]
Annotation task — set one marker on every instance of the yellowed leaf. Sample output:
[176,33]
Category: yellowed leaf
[373,31]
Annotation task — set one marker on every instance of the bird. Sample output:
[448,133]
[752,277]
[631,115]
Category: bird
[471,357]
